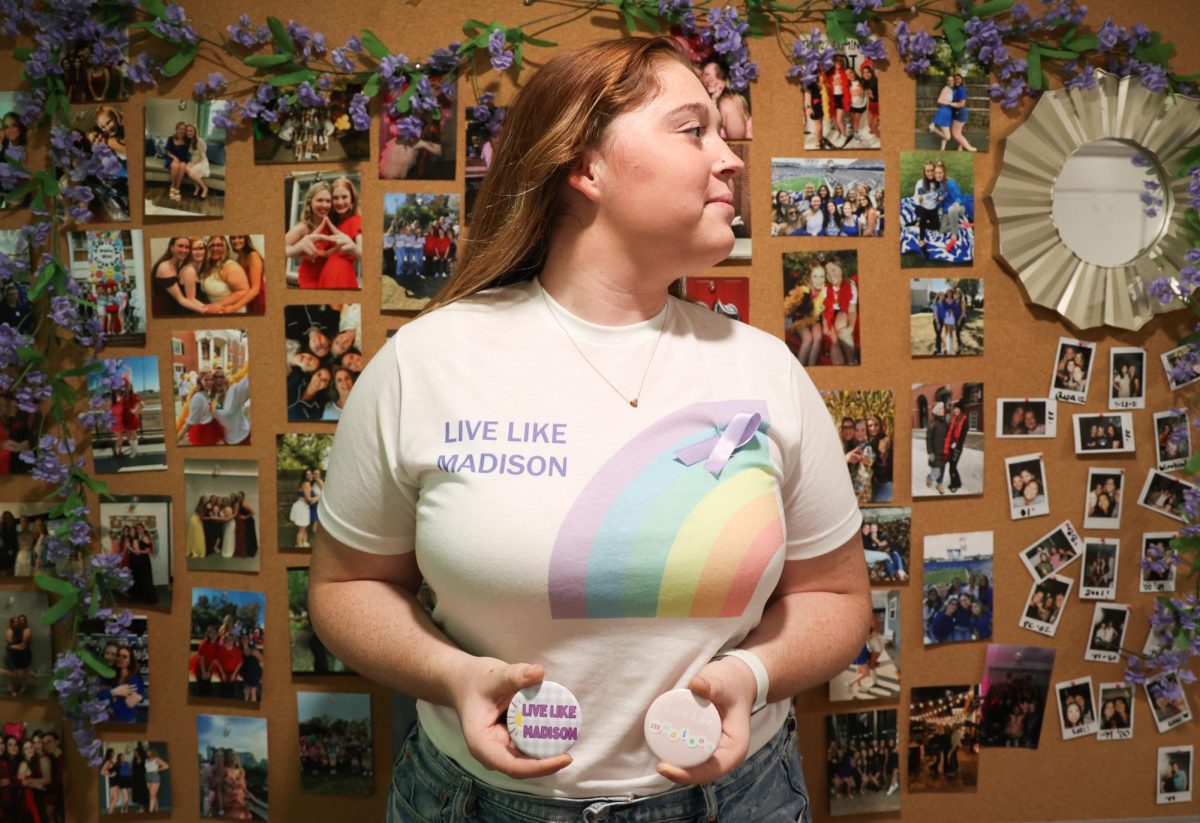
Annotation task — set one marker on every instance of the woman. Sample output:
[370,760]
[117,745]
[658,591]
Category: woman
[109,775]
[790,224]
[343,382]
[870,83]
[944,116]
[127,408]
[308,240]
[13,139]
[127,690]
[230,657]
[813,218]
[229,408]
[214,526]
[177,151]
[869,221]
[833,219]
[814,110]
[961,114]
[205,662]
[637,195]
[841,315]
[233,789]
[141,552]
[927,200]
[200,427]
[18,654]
[344,226]
[255,298]
[804,307]
[935,441]
[858,107]
[299,513]
[733,107]
[837,84]
[195,530]
[167,288]
[251,670]
[197,169]
[307,391]
[948,314]
[140,792]
[247,530]
[32,780]
[155,766]
[952,203]
[26,537]
[224,281]
[229,535]
[882,481]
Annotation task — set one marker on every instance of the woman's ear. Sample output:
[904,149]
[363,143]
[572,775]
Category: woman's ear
[586,176]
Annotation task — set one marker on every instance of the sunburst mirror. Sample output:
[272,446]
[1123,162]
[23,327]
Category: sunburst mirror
[1086,211]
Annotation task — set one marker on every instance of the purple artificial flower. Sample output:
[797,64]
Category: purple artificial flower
[142,70]
[229,117]
[359,118]
[309,99]
[445,59]
[408,128]
[502,59]
[1110,36]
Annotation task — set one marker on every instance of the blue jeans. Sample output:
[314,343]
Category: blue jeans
[428,787]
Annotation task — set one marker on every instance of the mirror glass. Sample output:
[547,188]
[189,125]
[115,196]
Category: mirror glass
[1109,202]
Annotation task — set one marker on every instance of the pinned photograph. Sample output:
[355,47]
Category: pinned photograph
[937,209]
[1116,711]
[206,276]
[864,762]
[1016,681]
[23,532]
[820,307]
[1103,433]
[210,370]
[15,307]
[875,673]
[125,649]
[946,317]
[222,531]
[1027,490]
[1126,378]
[485,127]
[14,138]
[87,80]
[1045,605]
[130,435]
[953,103]
[728,296]
[1072,370]
[102,125]
[943,739]
[318,134]
[887,539]
[226,647]
[1076,708]
[184,158]
[424,231]
[1173,444]
[1100,556]
[324,220]
[826,198]
[1174,774]
[335,743]
[841,104]
[1109,621]
[867,421]
[323,346]
[137,528]
[35,751]
[233,766]
[742,205]
[28,660]
[1102,506]
[1165,494]
[109,270]
[1052,551]
[1168,703]
[135,777]
[300,464]
[1018,417]
[1158,562]
[958,597]
[309,655]
[947,438]
[418,148]
[1179,366]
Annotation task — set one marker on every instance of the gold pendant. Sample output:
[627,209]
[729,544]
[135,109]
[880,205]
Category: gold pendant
[633,402]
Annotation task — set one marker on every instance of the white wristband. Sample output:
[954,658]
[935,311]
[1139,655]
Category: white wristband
[760,674]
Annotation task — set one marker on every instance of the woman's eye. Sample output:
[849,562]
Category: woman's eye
[698,131]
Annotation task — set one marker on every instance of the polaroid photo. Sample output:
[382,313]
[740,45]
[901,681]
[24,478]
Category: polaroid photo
[1045,605]
[1126,378]
[1076,708]
[1158,572]
[1173,439]
[1072,370]
[1100,556]
[1109,621]
[1157,641]
[1180,371]
[1116,711]
[1026,417]
[1102,504]
[1028,495]
[1103,433]
[1052,551]
[1168,703]
[1163,493]
[1174,774]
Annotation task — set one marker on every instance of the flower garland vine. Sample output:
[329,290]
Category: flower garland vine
[278,68]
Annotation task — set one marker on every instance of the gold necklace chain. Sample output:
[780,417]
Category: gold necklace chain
[631,401]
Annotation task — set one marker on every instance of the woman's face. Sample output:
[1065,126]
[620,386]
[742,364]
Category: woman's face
[343,382]
[107,123]
[823,192]
[11,748]
[860,431]
[818,278]
[939,173]
[319,380]
[814,203]
[320,203]
[873,427]
[307,362]
[710,76]
[180,132]
[237,242]
[343,200]
[847,209]
[927,170]
[1073,715]
[124,658]
[834,272]
[216,247]
[181,249]
[190,131]
[199,250]
[12,128]
[785,198]
[27,749]
[343,342]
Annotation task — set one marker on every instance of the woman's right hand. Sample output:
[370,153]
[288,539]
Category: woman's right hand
[485,688]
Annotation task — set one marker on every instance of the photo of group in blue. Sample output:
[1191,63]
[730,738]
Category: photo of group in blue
[335,743]
[863,762]
[958,587]
[420,247]
[875,673]
[953,103]
[937,209]
[233,766]
[226,647]
[826,198]
[946,316]
[126,650]
[135,777]
[130,434]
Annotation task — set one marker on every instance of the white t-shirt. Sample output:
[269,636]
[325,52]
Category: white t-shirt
[232,413]
[555,525]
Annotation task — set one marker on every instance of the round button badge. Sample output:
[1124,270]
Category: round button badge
[682,729]
[544,720]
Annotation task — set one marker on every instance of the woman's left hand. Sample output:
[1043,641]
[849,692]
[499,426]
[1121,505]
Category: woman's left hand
[731,687]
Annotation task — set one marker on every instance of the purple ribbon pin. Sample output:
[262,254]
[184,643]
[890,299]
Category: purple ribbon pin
[716,451]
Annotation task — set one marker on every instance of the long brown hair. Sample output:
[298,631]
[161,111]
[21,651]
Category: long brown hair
[563,111]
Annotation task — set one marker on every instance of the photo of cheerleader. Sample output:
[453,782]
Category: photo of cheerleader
[826,198]
[821,307]
[335,743]
[937,210]
[222,530]
[320,134]
[211,376]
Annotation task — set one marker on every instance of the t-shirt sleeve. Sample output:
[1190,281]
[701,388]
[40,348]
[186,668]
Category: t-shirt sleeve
[368,502]
[820,509]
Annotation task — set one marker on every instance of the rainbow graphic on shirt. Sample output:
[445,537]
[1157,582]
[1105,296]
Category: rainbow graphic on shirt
[651,537]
